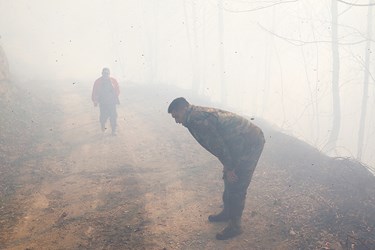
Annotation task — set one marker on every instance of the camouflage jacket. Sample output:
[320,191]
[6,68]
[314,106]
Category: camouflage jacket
[224,134]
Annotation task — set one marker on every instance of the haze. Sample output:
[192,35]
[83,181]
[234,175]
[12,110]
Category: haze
[268,59]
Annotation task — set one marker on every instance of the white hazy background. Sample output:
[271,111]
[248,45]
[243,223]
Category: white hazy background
[277,55]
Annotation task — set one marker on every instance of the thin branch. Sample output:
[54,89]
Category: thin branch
[356,4]
[364,66]
[259,8]
[297,42]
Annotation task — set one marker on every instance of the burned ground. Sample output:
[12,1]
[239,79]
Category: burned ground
[66,185]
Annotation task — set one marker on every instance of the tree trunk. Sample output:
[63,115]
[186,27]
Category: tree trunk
[154,43]
[4,66]
[196,60]
[332,141]
[362,121]
[190,45]
[221,53]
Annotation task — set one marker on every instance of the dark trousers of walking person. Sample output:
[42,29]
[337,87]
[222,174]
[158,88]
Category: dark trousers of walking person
[108,111]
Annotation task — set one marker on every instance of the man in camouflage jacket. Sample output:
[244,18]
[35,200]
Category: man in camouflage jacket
[236,142]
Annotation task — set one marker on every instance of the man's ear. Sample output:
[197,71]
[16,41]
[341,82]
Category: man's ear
[185,108]
[182,110]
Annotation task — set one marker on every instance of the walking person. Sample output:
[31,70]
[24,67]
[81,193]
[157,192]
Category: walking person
[236,142]
[106,92]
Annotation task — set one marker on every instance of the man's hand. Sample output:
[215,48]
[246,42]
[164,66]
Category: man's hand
[231,176]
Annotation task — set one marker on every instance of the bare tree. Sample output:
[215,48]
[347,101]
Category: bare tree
[193,45]
[336,122]
[221,53]
[153,56]
[196,61]
[362,122]
[203,58]
[4,66]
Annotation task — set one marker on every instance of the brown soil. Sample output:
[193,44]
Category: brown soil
[152,186]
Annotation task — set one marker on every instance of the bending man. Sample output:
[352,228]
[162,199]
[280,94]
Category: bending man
[236,142]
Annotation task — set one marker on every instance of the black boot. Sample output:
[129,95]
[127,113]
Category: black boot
[232,230]
[222,216]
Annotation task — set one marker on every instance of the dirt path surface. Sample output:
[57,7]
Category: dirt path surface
[152,187]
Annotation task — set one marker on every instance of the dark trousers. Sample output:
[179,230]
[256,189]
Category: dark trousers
[108,111]
[234,195]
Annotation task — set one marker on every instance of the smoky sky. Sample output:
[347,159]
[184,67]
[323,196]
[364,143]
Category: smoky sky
[276,55]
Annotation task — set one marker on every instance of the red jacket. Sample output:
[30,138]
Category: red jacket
[97,90]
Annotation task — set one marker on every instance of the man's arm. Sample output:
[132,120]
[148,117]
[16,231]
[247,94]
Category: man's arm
[95,93]
[115,86]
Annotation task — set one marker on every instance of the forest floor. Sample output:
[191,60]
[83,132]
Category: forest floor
[152,186]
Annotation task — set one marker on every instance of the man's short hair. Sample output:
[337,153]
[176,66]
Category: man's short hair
[105,70]
[177,104]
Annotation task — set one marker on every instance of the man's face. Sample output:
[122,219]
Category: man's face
[105,73]
[179,115]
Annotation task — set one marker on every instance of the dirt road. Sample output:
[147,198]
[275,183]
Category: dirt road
[149,187]
[152,186]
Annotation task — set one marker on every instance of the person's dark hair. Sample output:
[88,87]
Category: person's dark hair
[177,104]
[105,70]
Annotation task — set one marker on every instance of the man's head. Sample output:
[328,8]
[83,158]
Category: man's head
[178,108]
[106,72]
